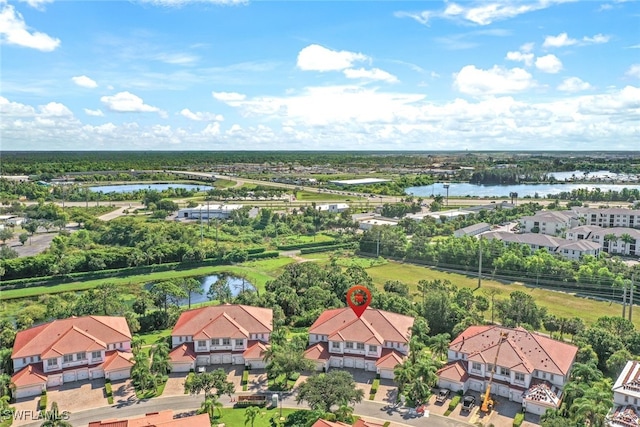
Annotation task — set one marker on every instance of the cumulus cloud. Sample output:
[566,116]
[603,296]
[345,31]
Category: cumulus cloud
[37,4]
[126,102]
[84,81]
[633,71]
[549,64]
[14,31]
[497,80]
[228,97]
[560,40]
[597,39]
[177,58]
[94,113]
[55,109]
[479,12]
[527,58]
[573,84]
[212,129]
[318,58]
[201,116]
[372,74]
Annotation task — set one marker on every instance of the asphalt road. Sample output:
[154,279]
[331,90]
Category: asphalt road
[183,404]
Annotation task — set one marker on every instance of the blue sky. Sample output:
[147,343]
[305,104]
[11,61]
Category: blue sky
[312,75]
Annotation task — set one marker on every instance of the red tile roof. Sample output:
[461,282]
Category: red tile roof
[29,375]
[71,335]
[115,360]
[363,423]
[224,321]
[543,392]
[157,419]
[318,351]
[183,353]
[389,359]
[454,371]
[524,351]
[374,326]
[325,423]
[255,350]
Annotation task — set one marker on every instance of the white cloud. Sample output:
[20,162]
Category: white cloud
[14,31]
[177,58]
[212,129]
[573,84]
[55,109]
[497,80]
[318,58]
[480,12]
[597,39]
[229,97]
[372,74]
[549,64]
[633,71]
[126,102]
[527,58]
[84,81]
[94,113]
[37,4]
[201,116]
[560,40]
[527,47]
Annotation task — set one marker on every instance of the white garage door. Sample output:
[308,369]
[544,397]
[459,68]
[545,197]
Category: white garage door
[82,374]
[475,385]
[370,366]
[28,391]
[54,380]
[336,362]
[216,359]
[348,362]
[386,373]
[180,367]
[226,358]
[238,360]
[257,364]
[503,391]
[97,373]
[360,363]
[69,376]
[119,375]
[535,409]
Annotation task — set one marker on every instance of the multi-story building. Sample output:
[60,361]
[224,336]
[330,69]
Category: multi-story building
[552,223]
[567,248]
[66,350]
[626,397]
[616,240]
[530,368]
[221,334]
[610,217]
[376,341]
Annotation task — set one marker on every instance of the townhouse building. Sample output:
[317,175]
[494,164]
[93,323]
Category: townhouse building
[73,349]
[377,341]
[567,248]
[626,397]
[609,217]
[552,223]
[222,334]
[531,368]
[616,240]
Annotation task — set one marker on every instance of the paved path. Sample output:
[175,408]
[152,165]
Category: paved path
[189,403]
[120,211]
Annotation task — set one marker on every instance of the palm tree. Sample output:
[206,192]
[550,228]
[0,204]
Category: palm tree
[136,343]
[404,374]
[4,403]
[250,415]
[608,238]
[210,405]
[191,286]
[440,345]
[5,385]
[585,373]
[54,418]
[279,336]
[628,240]
[415,349]
[160,359]
[593,407]
[419,391]
[426,369]
[344,412]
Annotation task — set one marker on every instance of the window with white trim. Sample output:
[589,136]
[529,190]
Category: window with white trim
[67,358]
[360,346]
[239,343]
[476,366]
[373,348]
[96,355]
[52,362]
[226,341]
[81,356]
[519,377]
[202,344]
[348,344]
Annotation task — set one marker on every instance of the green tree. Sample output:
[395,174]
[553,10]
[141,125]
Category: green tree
[167,293]
[440,345]
[5,234]
[211,383]
[220,290]
[210,406]
[250,415]
[324,391]
[23,237]
[284,361]
[617,361]
[160,363]
[190,286]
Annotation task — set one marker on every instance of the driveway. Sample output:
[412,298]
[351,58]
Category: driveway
[387,392]
[257,380]
[504,413]
[175,384]
[124,394]
[78,395]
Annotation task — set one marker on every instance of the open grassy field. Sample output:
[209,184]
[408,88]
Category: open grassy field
[309,196]
[235,417]
[257,272]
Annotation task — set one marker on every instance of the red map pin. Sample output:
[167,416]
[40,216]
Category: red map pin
[358,298]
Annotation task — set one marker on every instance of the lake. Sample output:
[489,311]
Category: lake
[235,283]
[130,188]
[475,190]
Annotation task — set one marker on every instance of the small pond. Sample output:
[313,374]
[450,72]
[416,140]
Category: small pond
[130,188]
[236,285]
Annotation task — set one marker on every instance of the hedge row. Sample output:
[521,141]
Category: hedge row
[263,255]
[454,402]
[518,419]
[302,245]
[43,401]
[247,403]
[108,391]
[327,248]
[251,251]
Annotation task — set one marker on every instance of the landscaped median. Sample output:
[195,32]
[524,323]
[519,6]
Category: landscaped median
[455,401]
[374,389]
[108,391]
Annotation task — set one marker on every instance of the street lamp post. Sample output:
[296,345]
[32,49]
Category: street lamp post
[446,187]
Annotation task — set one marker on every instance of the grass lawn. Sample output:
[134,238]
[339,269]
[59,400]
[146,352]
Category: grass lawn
[276,383]
[257,272]
[557,303]
[153,338]
[310,196]
[302,238]
[235,417]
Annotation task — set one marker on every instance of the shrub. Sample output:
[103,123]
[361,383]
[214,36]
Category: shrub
[329,416]
[43,401]
[294,376]
[247,403]
[375,385]
[263,255]
[518,419]
[326,248]
[454,402]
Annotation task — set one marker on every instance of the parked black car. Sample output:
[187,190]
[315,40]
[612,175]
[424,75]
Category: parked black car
[468,402]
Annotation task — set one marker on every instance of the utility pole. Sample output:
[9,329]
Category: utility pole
[446,187]
[631,297]
[378,246]
[624,301]
[201,230]
[480,264]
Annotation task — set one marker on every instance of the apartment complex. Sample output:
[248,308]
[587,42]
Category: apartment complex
[572,249]
[617,240]
[626,397]
[609,217]
[552,223]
